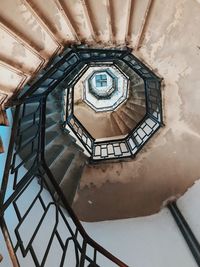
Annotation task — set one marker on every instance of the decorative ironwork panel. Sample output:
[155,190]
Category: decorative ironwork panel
[111,150]
[83,135]
[43,231]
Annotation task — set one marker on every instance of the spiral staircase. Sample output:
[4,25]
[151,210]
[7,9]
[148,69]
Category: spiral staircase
[46,152]
[121,120]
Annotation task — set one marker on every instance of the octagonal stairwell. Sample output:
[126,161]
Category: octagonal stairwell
[168,164]
[163,36]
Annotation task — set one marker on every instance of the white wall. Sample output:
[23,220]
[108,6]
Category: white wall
[152,241]
[189,204]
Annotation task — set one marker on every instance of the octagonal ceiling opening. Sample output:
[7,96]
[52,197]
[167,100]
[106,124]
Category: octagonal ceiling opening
[102,84]
[105,89]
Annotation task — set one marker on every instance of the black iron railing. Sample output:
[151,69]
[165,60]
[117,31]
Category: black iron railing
[131,144]
[68,69]
[40,231]
[24,190]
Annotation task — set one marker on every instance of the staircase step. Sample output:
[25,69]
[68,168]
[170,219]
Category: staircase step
[129,122]
[60,164]
[50,135]
[53,19]
[126,69]
[51,109]
[79,19]
[61,139]
[123,127]
[131,115]
[119,21]
[26,134]
[133,77]
[70,181]
[52,153]
[56,97]
[28,153]
[54,116]
[138,99]
[145,17]
[76,140]
[138,88]
[26,150]
[138,110]
[137,22]
[30,108]
[137,102]
[115,127]
[50,120]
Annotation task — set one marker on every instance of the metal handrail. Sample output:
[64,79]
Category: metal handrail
[151,114]
[42,168]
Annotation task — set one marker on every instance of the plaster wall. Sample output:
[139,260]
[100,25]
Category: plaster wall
[169,163]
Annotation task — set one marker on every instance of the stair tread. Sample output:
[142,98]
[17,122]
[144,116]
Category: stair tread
[72,177]
[131,114]
[115,127]
[49,136]
[120,122]
[60,165]
[137,103]
[130,123]
[138,87]
[61,139]
[138,112]
[52,152]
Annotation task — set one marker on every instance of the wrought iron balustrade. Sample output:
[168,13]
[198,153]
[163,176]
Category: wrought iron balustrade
[40,231]
[67,69]
[130,145]
[27,206]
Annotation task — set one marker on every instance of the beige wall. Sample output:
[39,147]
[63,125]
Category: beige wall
[169,163]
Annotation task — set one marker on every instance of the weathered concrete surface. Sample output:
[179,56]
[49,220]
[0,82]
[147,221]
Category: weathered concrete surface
[11,80]
[54,18]
[20,18]
[169,163]
[100,24]
[14,52]
[77,14]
